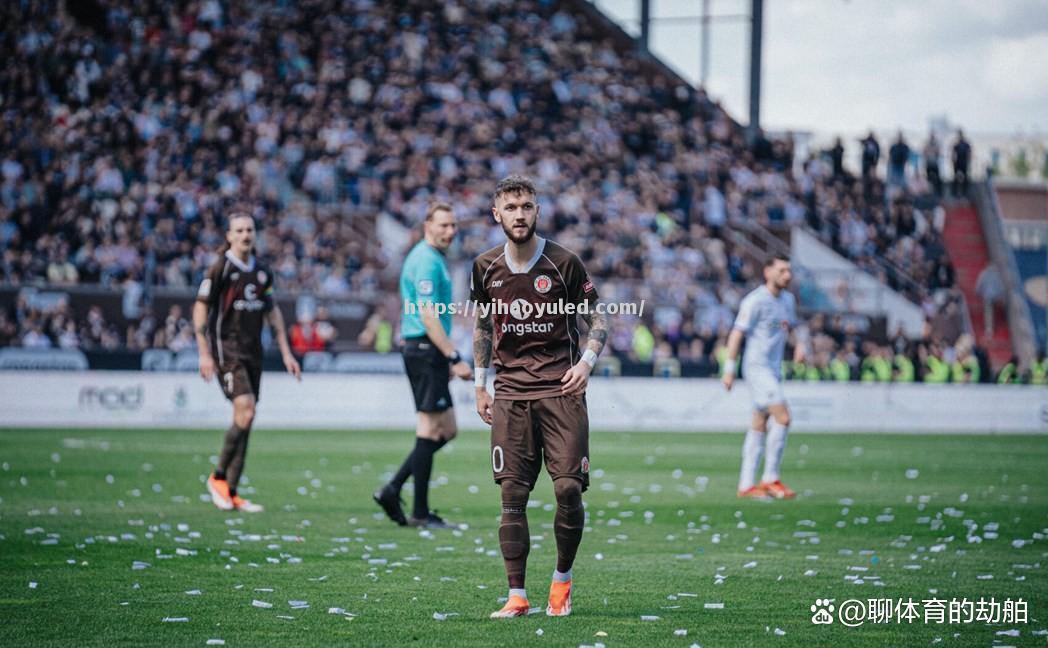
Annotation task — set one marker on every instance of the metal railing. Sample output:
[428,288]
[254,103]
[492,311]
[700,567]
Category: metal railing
[1020,322]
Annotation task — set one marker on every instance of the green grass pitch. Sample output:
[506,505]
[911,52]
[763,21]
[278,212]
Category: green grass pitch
[878,516]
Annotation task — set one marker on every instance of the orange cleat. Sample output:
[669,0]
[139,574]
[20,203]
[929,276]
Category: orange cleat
[514,607]
[753,492]
[246,506]
[778,490]
[219,490]
[559,599]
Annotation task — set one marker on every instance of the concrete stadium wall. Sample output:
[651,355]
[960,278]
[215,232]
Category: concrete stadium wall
[104,399]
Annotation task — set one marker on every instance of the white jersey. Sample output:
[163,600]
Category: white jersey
[766,321]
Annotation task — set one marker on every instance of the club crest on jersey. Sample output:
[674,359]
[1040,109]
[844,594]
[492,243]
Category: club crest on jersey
[234,276]
[425,287]
[261,276]
[585,465]
[542,284]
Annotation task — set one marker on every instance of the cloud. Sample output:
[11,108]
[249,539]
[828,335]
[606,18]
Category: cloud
[1016,69]
[845,65]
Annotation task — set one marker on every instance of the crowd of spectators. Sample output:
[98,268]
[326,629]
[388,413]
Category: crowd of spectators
[128,132]
[53,325]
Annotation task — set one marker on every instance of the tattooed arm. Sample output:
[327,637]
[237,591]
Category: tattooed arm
[483,332]
[598,331]
[576,379]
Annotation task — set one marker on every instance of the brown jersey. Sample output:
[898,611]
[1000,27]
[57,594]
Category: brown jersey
[238,297]
[533,348]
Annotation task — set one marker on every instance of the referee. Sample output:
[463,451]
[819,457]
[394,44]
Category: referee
[428,354]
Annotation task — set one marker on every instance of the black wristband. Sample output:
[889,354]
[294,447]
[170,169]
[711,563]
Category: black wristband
[455,357]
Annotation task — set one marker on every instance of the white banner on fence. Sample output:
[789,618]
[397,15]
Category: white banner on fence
[332,401]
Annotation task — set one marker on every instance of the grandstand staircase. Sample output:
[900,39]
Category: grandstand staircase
[966,245]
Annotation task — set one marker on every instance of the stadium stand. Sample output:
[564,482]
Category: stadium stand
[978,280]
[127,137]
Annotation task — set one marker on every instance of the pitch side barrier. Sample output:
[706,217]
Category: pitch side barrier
[138,399]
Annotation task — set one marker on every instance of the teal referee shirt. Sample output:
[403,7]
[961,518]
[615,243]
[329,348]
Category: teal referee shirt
[423,279]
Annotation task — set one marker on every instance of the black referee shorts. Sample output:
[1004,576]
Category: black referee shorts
[429,374]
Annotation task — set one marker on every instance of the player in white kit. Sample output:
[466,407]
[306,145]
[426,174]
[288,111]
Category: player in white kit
[765,318]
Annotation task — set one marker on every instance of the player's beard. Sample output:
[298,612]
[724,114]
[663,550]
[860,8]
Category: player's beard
[522,239]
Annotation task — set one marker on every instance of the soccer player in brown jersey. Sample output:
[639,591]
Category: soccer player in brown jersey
[234,300]
[541,371]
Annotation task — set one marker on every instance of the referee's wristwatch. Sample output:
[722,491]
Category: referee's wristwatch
[455,357]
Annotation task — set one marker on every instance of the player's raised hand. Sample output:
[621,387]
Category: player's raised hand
[462,370]
[207,366]
[484,403]
[575,379]
[292,366]
[728,379]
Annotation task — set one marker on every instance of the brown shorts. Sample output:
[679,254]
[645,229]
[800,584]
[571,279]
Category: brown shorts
[524,432]
[237,378]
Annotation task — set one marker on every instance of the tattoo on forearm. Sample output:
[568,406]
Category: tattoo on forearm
[598,331]
[482,342]
[202,330]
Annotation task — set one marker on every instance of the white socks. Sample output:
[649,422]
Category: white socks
[752,449]
[776,443]
[518,592]
[560,577]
